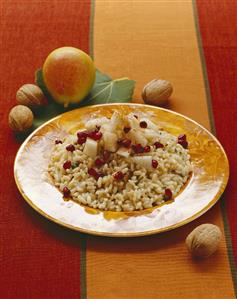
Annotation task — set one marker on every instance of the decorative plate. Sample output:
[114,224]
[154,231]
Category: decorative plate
[208,180]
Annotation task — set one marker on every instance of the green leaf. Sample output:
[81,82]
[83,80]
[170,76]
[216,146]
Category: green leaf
[44,113]
[105,90]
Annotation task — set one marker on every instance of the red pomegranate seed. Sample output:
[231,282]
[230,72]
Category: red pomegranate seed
[154,163]
[184,143]
[138,148]
[157,144]
[98,136]
[118,175]
[147,149]
[91,134]
[67,164]
[168,194]
[66,192]
[143,124]
[99,162]
[58,141]
[126,129]
[81,140]
[82,134]
[125,142]
[95,135]
[70,148]
[106,155]
[182,137]
[94,173]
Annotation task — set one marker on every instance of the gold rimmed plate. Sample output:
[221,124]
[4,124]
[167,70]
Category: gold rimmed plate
[206,184]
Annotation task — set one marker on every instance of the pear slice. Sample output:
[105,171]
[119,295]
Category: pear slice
[133,121]
[92,123]
[150,134]
[110,141]
[116,121]
[90,148]
[143,161]
[124,152]
[137,137]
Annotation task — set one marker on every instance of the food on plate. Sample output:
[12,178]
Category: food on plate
[20,118]
[157,92]
[68,74]
[30,95]
[122,163]
[204,240]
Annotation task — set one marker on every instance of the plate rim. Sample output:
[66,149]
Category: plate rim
[130,234]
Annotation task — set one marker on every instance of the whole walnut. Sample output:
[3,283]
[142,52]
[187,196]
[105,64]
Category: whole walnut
[30,95]
[157,92]
[20,118]
[204,240]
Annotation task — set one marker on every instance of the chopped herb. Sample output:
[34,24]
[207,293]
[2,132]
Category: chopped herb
[75,165]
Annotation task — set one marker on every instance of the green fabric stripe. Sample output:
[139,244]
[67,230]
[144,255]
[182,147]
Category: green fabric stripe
[91,37]
[83,267]
[229,244]
[213,129]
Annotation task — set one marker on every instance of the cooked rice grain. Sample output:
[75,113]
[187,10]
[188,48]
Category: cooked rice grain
[140,189]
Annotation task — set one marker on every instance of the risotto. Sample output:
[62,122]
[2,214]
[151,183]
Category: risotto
[124,163]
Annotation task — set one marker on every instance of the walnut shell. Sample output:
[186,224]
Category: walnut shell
[30,95]
[20,118]
[157,92]
[204,240]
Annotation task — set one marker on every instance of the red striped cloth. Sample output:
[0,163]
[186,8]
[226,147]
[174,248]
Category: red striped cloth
[219,39]
[38,259]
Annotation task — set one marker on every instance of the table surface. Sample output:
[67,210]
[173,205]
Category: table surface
[191,43]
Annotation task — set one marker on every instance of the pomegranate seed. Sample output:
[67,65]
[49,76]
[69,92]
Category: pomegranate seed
[143,124]
[154,163]
[94,173]
[82,134]
[58,141]
[106,155]
[98,136]
[66,192]
[99,162]
[126,129]
[67,164]
[182,137]
[125,142]
[135,116]
[95,135]
[184,143]
[168,194]
[138,148]
[147,149]
[70,148]
[81,140]
[157,144]
[118,175]
[91,134]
